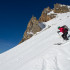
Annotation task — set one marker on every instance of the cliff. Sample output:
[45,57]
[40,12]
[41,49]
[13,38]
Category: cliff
[32,28]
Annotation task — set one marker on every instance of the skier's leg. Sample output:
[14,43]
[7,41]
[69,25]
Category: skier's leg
[66,38]
[63,36]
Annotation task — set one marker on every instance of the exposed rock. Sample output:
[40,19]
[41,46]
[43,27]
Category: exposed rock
[45,17]
[51,16]
[32,28]
[58,8]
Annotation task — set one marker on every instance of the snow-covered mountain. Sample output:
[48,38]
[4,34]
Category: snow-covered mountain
[40,52]
[46,15]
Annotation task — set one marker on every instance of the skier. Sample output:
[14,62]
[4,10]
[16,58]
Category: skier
[64,30]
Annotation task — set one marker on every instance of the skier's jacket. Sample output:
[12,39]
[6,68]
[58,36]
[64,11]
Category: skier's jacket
[63,30]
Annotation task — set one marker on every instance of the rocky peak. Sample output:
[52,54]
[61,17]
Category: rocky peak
[32,28]
[32,21]
[33,25]
[44,16]
[59,8]
[46,10]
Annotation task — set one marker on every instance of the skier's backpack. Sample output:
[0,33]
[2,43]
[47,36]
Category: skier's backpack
[65,27]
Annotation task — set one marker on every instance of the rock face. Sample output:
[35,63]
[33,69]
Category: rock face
[47,14]
[45,17]
[58,8]
[32,28]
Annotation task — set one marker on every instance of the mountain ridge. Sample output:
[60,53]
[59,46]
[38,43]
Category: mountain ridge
[47,14]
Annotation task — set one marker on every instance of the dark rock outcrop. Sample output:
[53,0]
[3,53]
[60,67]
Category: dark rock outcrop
[58,8]
[45,17]
[32,28]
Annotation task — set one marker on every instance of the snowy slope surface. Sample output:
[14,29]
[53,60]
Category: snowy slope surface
[39,52]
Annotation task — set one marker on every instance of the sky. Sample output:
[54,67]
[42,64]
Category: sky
[14,17]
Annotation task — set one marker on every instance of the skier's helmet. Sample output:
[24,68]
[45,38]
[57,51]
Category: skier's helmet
[58,27]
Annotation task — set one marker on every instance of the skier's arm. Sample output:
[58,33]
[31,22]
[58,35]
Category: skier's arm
[58,31]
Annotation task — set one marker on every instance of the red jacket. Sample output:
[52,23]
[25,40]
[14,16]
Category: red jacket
[62,30]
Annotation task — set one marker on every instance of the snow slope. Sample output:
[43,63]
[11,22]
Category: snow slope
[39,52]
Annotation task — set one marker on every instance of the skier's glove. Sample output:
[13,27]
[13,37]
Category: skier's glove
[58,32]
